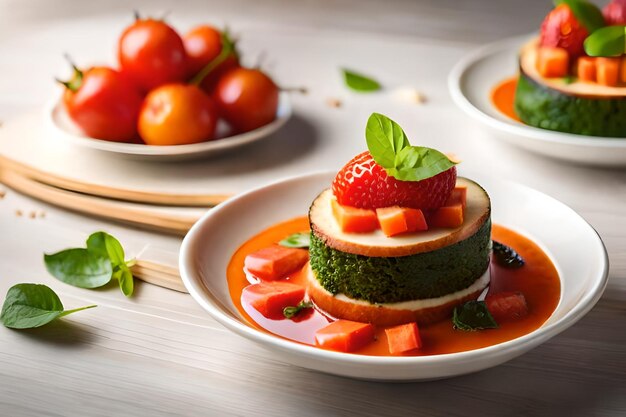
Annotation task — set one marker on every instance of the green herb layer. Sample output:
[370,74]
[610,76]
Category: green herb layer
[390,280]
[544,107]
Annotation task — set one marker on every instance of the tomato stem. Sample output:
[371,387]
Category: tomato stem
[228,48]
[76,81]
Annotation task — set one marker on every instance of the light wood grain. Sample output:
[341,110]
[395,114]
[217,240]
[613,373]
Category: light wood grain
[138,216]
[160,354]
[137,196]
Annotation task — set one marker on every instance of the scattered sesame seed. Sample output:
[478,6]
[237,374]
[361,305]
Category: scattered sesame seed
[333,102]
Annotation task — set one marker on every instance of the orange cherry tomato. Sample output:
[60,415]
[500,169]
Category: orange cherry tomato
[177,114]
[246,98]
[203,44]
[104,103]
[152,54]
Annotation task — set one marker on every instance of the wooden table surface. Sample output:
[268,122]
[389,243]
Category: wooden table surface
[160,354]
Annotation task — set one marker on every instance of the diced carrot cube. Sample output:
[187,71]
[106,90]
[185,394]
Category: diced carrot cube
[622,71]
[403,338]
[275,262]
[354,220]
[345,335]
[458,196]
[447,216]
[586,68]
[270,298]
[607,71]
[552,62]
[396,220]
[506,306]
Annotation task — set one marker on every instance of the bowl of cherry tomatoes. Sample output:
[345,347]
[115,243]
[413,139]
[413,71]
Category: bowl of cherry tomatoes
[171,97]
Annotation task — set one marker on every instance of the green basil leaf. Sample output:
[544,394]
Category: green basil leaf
[385,138]
[608,41]
[416,163]
[588,14]
[32,305]
[106,245]
[360,82]
[80,267]
[297,240]
[125,279]
[473,315]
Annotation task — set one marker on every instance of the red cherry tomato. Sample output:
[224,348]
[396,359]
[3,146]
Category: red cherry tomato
[104,103]
[152,54]
[246,98]
[561,29]
[177,114]
[203,44]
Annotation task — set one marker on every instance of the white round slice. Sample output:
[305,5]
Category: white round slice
[377,244]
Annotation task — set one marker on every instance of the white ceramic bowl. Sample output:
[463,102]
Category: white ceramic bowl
[471,82]
[63,128]
[572,244]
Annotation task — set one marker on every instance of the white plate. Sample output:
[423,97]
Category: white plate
[64,129]
[470,84]
[572,244]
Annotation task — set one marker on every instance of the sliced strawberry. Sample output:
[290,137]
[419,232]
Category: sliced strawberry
[507,306]
[615,13]
[365,184]
[561,29]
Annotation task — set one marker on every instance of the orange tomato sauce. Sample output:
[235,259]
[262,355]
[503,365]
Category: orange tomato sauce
[503,97]
[538,280]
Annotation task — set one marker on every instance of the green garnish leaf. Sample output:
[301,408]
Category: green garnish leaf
[608,41]
[569,79]
[297,240]
[291,312]
[32,305]
[473,315]
[360,82]
[106,245]
[390,148]
[588,14]
[126,281]
[95,266]
[506,256]
[79,267]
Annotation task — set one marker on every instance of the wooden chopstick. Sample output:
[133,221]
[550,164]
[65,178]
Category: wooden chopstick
[161,275]
[129,213]
[144,197]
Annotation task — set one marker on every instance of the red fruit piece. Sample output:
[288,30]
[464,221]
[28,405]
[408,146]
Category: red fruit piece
[275,262]
[560,29]
[270,298]
[615,13]
[403,338]
[365,184]
[507,306]
[345,335]
[354,220]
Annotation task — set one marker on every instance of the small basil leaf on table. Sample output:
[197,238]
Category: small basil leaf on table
[32,305]
[79,267]
[125,279]
[296,240]
[360,82]
[473,315]
[507,256]
[106,245]
[608,41]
